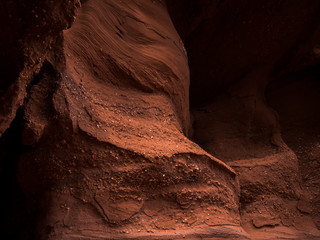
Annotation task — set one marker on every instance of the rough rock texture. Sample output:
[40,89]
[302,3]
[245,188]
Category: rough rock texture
[30,30]
[95,120]
[105,152]
[30,33]
[254,96]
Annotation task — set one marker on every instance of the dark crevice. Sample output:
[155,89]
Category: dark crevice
[45,68]
[16,219]
[19,219]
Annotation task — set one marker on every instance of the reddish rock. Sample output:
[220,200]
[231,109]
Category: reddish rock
[110,137]
[98,139]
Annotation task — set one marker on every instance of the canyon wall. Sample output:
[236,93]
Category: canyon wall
[160,119]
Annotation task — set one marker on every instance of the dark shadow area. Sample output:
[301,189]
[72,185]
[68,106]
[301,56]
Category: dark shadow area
[17,221]
[296,98]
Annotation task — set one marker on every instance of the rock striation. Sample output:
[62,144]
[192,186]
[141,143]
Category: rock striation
[153,119]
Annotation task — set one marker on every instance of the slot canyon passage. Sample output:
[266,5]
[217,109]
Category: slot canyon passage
[154,119]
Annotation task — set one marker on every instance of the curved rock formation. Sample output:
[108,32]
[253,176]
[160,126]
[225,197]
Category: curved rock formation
[243,57]
[106,122]
[98,140]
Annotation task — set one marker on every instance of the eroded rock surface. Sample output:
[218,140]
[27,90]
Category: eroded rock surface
[107,128]
[254,92]
[96,124]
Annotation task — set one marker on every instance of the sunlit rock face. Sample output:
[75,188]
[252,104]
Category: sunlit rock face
[108,128]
